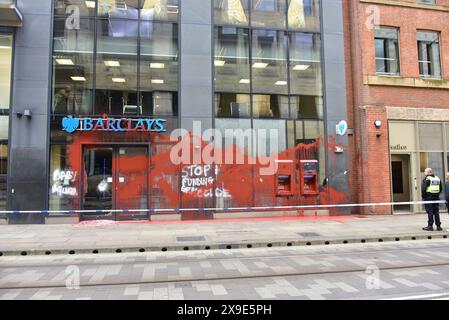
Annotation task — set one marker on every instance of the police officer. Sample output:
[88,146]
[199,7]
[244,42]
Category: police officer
[447,191]
[431,190]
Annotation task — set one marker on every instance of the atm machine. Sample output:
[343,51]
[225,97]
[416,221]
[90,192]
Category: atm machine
[309,178]
[285,184]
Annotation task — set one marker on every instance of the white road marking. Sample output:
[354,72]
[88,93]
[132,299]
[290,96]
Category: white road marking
[427,296]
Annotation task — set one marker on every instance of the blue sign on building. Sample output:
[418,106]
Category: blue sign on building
[71,124]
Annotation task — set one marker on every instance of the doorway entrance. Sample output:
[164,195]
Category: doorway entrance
[401,182]
[115,178]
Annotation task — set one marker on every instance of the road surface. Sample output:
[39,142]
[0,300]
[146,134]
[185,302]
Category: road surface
[403,270]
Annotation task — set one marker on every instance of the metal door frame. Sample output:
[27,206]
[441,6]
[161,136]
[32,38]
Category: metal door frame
[411,179]
[115,156]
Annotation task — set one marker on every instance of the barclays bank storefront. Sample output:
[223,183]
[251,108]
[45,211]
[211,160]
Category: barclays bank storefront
[100,87]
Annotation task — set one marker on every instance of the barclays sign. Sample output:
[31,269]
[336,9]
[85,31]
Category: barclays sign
[71,124]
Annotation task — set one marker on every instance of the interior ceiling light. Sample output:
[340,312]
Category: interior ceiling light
[90,4]
[157,81]
[301,67]
[110,63]
[65,62]
[118,80]
[219,63]
[281,83]
[260,65]
[157,65]
[78,78]
[244,81]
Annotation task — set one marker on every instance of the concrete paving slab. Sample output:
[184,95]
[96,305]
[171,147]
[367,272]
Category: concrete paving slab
[217,234]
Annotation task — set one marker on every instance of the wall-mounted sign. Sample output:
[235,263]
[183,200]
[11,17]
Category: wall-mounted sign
[71,124]
[342,128]
[339,149]
[398,147]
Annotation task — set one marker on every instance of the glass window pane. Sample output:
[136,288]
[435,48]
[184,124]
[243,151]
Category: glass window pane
[159,68]
[73,68]
[269,72]
[429,54]
[222,124]
[232,60]
[123,9]
[232,72]
[305,64]
[161,10]
[430,136]
[270,106]
[64,180]
[3,174]
[233,12]
[75,8]
[116,78]
[4,127]
[305,106]
[387,50]
[268,143]
[304,14]
[3,158]
[269,62]
[435,161]
[268,13]
[232,105]
[5,70]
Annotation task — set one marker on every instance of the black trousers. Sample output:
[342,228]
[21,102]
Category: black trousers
[433,212]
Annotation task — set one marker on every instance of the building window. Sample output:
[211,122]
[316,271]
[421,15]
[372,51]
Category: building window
[232,72]
[232,12]
[268,77]
[387,50]
[300,14]
[426,1]
[429,54]
[5,92]
[120,60]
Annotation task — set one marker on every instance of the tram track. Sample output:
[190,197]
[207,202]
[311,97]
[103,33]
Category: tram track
[248,277]
[382,263]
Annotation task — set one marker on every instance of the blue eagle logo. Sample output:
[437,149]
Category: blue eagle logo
[342,128]
[70,124]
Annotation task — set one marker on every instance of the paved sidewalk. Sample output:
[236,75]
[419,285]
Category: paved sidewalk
[107,236]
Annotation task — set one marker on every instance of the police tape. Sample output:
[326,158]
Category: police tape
[237,209]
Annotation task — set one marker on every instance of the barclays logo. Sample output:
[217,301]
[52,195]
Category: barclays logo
[70,124]
[342,128]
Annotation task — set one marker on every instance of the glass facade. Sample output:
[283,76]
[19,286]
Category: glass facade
[114,59]
[268,77]
[5,93]
[118,61]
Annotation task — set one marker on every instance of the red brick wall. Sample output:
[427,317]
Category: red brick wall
[369,154]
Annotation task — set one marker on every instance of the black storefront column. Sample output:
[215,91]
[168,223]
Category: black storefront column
[28,159]
[335,99]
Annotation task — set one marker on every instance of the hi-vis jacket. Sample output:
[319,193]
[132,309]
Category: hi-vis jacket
[431,187]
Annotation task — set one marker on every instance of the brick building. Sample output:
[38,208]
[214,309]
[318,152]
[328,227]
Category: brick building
[397,68]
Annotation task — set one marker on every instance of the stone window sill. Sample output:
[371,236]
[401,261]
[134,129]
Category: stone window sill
[409,4]
[397,81]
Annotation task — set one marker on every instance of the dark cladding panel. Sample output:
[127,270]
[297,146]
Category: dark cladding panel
[196,90]
[28,179]
[335,93]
